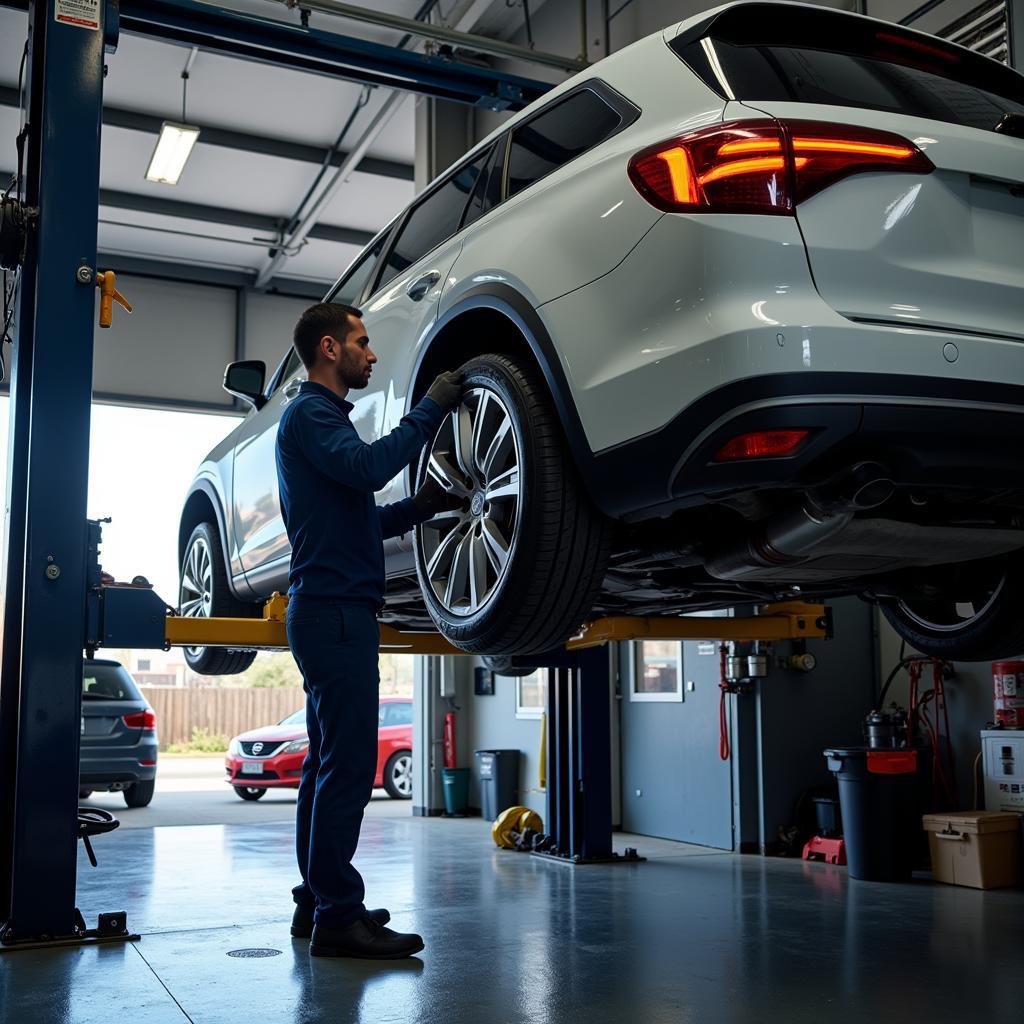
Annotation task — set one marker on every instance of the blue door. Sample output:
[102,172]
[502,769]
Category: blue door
[674,785]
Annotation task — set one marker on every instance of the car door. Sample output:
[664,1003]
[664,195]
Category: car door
[260,537]
[403,305]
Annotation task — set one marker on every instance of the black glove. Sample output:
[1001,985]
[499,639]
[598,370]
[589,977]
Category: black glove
[447,389]
[432,498]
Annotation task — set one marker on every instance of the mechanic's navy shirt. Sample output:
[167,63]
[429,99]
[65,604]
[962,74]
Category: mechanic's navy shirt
[326,477]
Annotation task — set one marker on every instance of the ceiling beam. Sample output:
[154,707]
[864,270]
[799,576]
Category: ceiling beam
[183,210]
[149,124]
[219,277]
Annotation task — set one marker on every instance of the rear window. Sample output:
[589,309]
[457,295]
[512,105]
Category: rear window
[558,135]
[108,682]
[762,52]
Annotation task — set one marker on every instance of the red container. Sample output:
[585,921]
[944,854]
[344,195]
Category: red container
[1008,688]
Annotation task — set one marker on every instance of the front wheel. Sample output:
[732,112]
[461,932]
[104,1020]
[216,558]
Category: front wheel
[971,613]
[250,792]
[204,593]
[398,775]
[517,568]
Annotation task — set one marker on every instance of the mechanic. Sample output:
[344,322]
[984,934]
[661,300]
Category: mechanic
[327,476]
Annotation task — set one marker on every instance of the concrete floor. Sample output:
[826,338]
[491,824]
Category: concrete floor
[192,791]
[692,935]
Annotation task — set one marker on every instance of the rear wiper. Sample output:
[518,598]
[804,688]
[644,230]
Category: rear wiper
[1011,124]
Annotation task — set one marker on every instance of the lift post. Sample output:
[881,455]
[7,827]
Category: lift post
[44,543]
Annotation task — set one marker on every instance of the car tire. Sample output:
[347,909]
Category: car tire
[204,593]
[985,626]
[250,792]
[140,794]
[505,665]
[518,568]
[398,775]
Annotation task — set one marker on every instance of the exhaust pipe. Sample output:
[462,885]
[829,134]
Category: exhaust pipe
[788,538]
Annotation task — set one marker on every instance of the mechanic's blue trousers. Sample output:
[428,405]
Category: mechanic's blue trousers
[335,644]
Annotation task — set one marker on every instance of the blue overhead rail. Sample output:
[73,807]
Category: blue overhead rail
[249,36]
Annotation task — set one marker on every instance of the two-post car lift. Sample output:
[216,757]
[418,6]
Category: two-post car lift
[56,601]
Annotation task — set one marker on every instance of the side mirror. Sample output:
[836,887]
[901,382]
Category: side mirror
[245,380]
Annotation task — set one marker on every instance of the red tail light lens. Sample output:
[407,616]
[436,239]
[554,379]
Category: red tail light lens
[141,720]
[733,168]
[764,166]
[762,444]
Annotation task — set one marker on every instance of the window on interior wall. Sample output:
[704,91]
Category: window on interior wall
[657,671]
[532,694]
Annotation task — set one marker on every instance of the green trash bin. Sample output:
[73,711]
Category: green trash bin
[456,789]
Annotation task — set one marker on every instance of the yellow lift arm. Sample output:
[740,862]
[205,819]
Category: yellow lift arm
[793,620]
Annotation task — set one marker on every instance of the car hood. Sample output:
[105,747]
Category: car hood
[275,733]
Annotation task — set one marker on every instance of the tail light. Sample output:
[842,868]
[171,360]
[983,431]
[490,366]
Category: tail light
[141,720]
[764,166]
[762,444]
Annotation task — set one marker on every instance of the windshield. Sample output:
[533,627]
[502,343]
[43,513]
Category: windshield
[108,682]
[296,718]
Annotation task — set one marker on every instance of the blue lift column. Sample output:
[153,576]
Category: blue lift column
[45,535]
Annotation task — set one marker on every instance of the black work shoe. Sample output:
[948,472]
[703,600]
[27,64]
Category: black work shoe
[302,920]
[366,940]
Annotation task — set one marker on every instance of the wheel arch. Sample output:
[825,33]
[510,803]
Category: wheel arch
[506,316]
[203,505]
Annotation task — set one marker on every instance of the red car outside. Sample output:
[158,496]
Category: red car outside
[271,757]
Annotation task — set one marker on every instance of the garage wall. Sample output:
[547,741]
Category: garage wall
[491,724]
[968,694]
[269,321]
[172,350]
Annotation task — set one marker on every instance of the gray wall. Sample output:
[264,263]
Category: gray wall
[969,696]
[491,724]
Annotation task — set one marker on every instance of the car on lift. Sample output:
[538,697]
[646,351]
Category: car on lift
[271,757]
[118,751]
[739,313]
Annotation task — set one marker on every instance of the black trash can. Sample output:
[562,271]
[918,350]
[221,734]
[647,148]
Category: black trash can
[499,781]
[878,800]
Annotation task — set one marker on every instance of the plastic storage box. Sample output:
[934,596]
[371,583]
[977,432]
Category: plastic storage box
[981,849]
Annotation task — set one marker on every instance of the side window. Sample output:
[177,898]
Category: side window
[558,135]
[400,714]
[352,284]
[291,365]
[436,218]
[487,193]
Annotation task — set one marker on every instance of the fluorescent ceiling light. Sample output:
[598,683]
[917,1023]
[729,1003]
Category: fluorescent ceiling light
[171,152]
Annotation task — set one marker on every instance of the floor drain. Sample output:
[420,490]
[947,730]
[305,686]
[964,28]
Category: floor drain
[253,954]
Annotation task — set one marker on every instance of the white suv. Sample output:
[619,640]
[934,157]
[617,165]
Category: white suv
[740,309]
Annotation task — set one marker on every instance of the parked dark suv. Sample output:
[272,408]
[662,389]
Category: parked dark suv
[119,742]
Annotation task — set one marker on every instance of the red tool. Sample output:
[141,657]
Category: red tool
[449,740]
[831,851]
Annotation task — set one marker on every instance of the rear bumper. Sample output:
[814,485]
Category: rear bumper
[283,771]
[104,766]
[925,431]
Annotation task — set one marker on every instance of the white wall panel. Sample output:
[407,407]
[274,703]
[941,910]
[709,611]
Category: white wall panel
[270,320]
[173,348]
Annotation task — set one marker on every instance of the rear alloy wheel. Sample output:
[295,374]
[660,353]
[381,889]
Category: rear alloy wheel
[398,775]
[250,792]
[517,568]
[973,615]
[204,593]
[140,794]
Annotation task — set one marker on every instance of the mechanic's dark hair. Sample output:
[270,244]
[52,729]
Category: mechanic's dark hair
[323,318]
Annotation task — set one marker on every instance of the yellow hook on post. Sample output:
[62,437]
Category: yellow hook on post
[106,282]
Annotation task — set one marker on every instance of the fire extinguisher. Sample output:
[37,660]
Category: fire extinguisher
[449,740]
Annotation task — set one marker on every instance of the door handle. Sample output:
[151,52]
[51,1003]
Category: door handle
[422,285]
[291,389]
